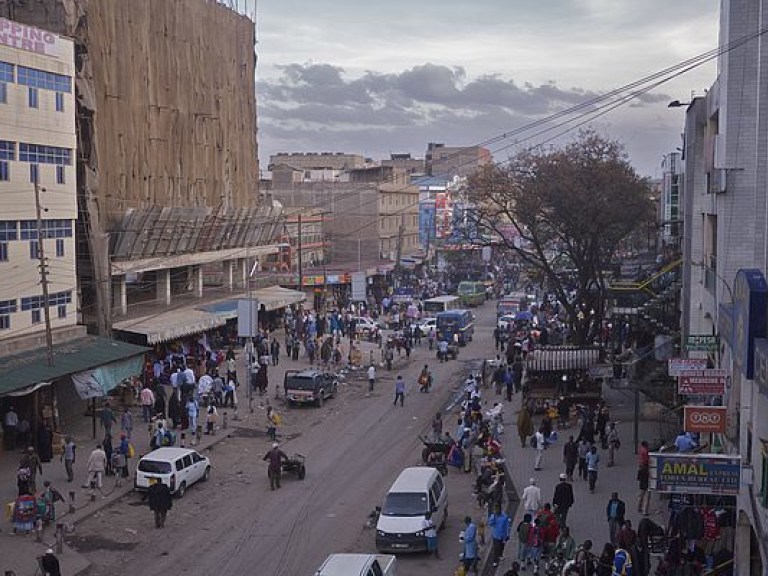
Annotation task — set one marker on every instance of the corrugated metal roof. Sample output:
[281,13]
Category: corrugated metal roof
[29,368]
[563,358]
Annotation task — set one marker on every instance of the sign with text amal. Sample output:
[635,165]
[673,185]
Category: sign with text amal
[700,474]
[701,343]
[705,419]
[702,382]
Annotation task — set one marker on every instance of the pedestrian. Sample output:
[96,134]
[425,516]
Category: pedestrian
[622,562]
[211,417]
[524,425]
[106,444]
[10,429]
[593,461]
[45,442]
[614,443]
[535,544]
[566,545]
[531,498]
[614,512]
[523,530]
[399,390]
[425,379]
[107,418]
[50,564]
[147,399]
[30,462]
[50,496]
[563,499]
[500,530]
[124,449]
[271,423]
[583,450]
[430,533]
[570,457]
[96,467]
[192,409]
[437,427]
[274,349]
[643,479]
[160,501]
[68,457]
[126,422]
[469,558]
[275,457]
[541,444]
[371,377]
[626,537]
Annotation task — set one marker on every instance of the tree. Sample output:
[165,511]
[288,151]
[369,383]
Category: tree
[577,202]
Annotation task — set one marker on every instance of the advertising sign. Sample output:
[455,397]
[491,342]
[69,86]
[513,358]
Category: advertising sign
[710,474]
[359,287]
[31,39]
[702,382]
[701,343]
[705,419]
[676,366]
[601,371]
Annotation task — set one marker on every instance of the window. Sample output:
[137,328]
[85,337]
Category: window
[7,307]
[6,72]
[45,154]
[32,97]
[56,228]
[34,173]
[61,311]
[34,247]
[36,317]
[8,230]
[60,175]
[59,102]
[37,302]
[45,80]
[59,248]
[5,171]
[7,150]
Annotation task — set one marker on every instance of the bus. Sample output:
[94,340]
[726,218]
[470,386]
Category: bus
[461,322]
[471,293]
[512,304]
[438,304]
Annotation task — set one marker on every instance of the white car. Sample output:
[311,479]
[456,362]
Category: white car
[178,468]
[426,324]
[506,321]
[365,325]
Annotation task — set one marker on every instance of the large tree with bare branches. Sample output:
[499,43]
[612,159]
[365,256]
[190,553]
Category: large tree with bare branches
[577,202]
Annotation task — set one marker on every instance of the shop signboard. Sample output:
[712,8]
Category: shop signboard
[604,371]
[701,343]
[676,366]
[702,382]
[696,474]
[359,287]
[705,419]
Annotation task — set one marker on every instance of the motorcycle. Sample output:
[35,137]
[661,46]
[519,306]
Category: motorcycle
[435,454]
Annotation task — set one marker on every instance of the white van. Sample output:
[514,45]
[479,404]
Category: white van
[416,490]
[177,468]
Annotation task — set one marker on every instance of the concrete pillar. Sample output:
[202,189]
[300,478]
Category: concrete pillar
[164,286]
[229,274]
[196,276]
[119,295]
[242,273]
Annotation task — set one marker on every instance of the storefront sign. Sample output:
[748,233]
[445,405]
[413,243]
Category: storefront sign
[312,280]
[27,38]
[702,382]
[705,419]
[676,366]
[358,287]
[710,474]
[701,343]
[750,298]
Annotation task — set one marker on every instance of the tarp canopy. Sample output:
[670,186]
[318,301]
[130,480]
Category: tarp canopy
[553,358]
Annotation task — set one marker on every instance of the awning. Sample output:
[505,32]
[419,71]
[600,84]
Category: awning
[562,358]
[28,369]
[189,320]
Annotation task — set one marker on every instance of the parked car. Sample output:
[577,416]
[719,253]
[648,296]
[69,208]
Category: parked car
[309,386]
[365,325]
[358,565]
[506,321]
[177,468]
[426,324]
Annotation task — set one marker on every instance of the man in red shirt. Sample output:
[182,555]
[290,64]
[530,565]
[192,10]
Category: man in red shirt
[550,529]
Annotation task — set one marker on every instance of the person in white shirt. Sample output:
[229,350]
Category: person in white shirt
[97,465]
[204,385]
[371,377]
[532,498]
[190,374]
[541,444]
[147,399]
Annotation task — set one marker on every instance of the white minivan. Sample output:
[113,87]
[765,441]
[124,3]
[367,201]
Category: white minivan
[417,490]
[178,468]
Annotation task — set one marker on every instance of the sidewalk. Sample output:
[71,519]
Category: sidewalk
[586,519]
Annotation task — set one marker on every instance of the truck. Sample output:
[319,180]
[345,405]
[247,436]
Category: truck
[358,565]
[309,386]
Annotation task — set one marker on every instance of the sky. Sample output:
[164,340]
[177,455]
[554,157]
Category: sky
[377,78]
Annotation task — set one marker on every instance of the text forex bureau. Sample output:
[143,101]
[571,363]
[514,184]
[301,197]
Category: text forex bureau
[703,475]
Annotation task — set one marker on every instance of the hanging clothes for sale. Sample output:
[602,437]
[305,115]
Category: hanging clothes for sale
[711,529]
[690,524]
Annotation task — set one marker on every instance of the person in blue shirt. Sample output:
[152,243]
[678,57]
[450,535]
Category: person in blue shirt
[470,557]
[622,563]
[500,530]
[684,442]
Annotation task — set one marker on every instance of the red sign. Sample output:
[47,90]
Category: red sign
[702,382]
[706,419]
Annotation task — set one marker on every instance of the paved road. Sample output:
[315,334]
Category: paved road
[355,447]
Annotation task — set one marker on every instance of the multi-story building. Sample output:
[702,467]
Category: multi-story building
[38,147]
[725,295]
[318,161]
[405,162]
[455,161]
[670,199]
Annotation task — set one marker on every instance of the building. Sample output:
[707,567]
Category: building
[405,162]
[725,247]
[318,161]
[454,161]
[670,200]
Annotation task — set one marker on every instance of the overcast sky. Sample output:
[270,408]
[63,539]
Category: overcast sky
[376,78]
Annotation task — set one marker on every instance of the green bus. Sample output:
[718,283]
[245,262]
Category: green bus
[471,293]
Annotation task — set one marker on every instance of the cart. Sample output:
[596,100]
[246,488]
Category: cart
[295,465]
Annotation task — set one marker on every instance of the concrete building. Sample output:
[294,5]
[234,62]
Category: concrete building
[405,162]
[451,161]
[670,200]
[38,149]
[726,255]
[318,161]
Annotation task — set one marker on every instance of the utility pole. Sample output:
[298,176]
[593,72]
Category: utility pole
[325,264]
[400,233]
[301,284]
[43,275]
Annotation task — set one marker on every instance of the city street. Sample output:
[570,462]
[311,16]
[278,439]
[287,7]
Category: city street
[355,446]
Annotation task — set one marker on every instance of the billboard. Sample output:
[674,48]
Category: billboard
[676,366]
[702,382]
[701,343]
[696,474]
[705,419]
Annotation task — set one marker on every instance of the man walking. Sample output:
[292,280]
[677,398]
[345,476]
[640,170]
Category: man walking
[500,530]
[430,533]
[68,457]
[10,428]
[570,457]
[160,501]
[469,559]
[371,377]
[593,461]
[147,399]
[31,462]
[643,478]
[275,457]
[583,450]
[541,444]
[399,390]
[563,499]
[97,466]
[614,512]
[532,498]
[107,418]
